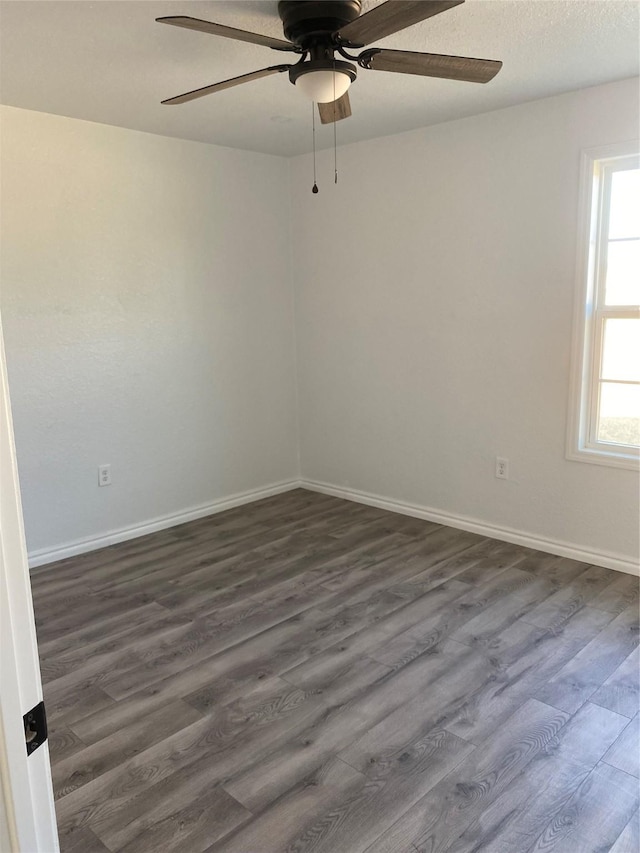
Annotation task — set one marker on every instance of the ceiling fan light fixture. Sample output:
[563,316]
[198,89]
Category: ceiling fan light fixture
[319,86]
[323,81]
[316,30]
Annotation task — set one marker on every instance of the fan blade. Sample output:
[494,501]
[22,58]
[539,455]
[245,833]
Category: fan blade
[226,84]
[431,65]
[336,110]
[227,32]
[390,17]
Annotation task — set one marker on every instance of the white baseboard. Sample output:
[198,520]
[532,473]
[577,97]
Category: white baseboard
[112,537]
[619,562]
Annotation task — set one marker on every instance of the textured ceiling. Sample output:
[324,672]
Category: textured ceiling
[110,62]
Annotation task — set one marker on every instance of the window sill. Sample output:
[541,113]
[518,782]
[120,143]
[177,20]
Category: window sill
[600,456]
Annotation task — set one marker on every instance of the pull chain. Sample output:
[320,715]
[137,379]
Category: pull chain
[335,144]
[313,125]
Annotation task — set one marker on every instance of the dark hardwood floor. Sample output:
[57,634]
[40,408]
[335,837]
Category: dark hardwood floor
[308,674]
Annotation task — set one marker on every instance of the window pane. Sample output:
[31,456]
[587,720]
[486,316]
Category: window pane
[623,273]
[619,421]
[624,215]
[621,350]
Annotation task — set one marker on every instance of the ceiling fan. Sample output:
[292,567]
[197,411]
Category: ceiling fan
[318,29]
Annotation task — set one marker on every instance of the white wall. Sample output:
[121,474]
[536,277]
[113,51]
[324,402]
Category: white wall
[435,289]
[146,297]
[147,307]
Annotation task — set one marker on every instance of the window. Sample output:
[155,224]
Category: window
[604,421]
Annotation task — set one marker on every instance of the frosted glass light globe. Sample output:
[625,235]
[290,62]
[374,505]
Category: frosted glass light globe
[318,86]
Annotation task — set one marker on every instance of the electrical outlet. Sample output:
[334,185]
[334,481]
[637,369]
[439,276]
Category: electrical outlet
[104,475]
[502,468]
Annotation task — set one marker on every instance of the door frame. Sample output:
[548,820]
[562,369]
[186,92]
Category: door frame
[26,789]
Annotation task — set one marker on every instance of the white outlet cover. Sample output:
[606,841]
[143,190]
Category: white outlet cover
[502,468]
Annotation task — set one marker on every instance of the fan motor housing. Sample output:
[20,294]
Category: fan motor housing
[306,21]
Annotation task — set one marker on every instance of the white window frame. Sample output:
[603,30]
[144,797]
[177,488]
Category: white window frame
[590,311]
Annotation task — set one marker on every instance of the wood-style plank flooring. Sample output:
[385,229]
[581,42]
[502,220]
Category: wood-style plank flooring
[308,674]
